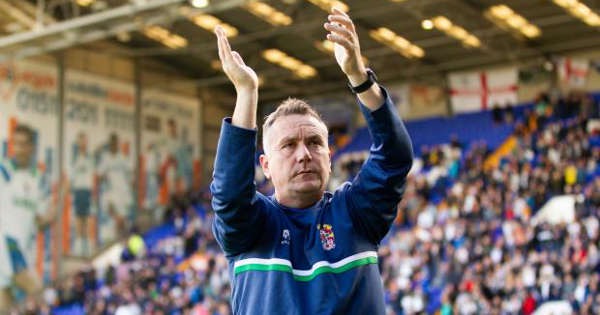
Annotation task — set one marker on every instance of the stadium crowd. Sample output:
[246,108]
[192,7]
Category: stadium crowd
[474,245]
[468,238]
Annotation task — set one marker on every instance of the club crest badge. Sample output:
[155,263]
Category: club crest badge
[327,237]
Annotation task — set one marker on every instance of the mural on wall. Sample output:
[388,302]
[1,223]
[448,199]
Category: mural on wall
[169,160]
[99,161]
[28,171]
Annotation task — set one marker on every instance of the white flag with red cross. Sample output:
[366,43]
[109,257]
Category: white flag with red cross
[573,72]
[480,90]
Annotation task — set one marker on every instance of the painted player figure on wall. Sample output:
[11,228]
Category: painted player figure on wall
[304,250]
[82,183]
[116,195]
[24,210]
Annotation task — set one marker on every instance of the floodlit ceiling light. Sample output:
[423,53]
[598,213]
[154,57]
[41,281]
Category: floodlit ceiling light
[325,45]
[593,20]
[580,10]
[84,3]
[273,55]
[458,32]
[444,24]
[268,13]
[327,5]
[531,31]
[416,51]
[199,3]
[516,21]
[396,42]
[401,42]
[501,11]
[386,33]
[165,37]
[472,41]
[209,22]
[306,72]
[507,18]
[282,59]
[427,24]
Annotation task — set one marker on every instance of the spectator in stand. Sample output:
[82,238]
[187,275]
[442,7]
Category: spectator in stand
[497,115]
[509,113]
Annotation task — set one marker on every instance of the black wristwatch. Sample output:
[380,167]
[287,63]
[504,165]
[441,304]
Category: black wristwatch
[371,78]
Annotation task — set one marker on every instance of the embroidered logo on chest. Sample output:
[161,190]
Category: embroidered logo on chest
[285,237]
[326,235]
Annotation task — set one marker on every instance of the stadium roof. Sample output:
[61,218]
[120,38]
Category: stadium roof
[117,27]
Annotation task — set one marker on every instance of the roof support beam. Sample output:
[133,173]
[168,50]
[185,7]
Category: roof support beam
[85,21]
[94,26]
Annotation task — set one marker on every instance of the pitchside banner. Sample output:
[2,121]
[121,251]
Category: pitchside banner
[28,97]
[169,160]
[99,143]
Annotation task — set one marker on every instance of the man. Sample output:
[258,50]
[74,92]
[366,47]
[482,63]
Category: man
[82,182]
[23,211]
[116,182]
[304,250]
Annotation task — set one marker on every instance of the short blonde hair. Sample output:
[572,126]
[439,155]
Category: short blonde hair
[290,106]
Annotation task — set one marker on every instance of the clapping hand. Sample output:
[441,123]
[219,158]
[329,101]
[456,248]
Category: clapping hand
[242,76]
[342,33]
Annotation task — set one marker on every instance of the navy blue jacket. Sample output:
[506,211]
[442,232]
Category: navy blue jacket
[318,260]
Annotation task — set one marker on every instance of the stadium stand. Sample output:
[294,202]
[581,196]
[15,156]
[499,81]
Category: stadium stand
[467,239]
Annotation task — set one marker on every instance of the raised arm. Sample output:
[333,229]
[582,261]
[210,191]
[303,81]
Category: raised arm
[348,56]
[374,193]
[244,80]
[234,196]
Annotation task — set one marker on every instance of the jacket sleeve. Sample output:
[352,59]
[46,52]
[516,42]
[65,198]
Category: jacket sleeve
[374,193]
[238,208]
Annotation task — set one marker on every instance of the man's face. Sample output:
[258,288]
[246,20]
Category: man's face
[297,158]
[23,149]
